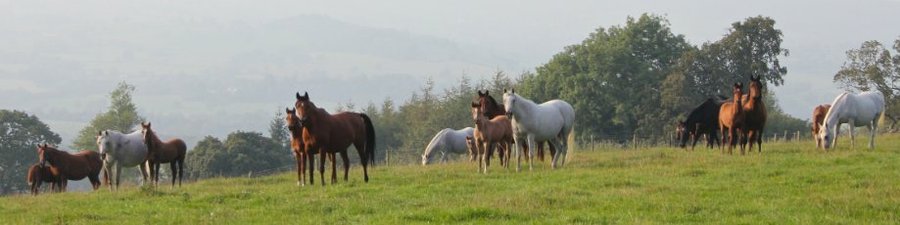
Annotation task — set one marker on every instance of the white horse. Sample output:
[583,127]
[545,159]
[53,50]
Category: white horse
[862,109]
[447,141]
[550,121]
[122,150]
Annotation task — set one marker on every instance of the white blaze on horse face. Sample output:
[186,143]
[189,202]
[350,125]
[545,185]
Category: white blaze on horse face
[508,100]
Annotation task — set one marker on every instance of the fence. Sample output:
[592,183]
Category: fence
[599,142]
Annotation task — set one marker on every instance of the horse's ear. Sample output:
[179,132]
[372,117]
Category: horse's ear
[504,91]
[298,96]
[305,96]
[512,91]
[100,133]
[479,93]
[487,92]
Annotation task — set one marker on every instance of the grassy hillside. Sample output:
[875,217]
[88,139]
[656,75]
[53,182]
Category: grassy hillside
[789,183]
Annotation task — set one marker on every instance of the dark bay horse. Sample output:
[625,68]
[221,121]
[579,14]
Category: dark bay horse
[491,109]
[38,174]
[754,114]
[703,120]
[171,151]
[303,155]
[71,166]
[731,118]
[327,133]
[818,117]
[496,132]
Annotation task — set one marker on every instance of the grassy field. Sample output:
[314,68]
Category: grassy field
[790,183]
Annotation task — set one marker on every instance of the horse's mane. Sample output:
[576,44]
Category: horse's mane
[434,141]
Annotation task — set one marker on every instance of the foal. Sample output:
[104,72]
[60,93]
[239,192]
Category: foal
[489,133]
[818,117]
[731,117]
[38,174]
[172,152]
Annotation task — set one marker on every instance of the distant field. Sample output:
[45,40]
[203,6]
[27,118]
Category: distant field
[789,183]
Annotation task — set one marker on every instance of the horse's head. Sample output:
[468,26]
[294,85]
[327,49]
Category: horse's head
[291,119]
[104,144]
[148,134]
[755,87]
[737,90]
[42,155]
[825,134]
[509,99]
[304,108]
[477,113]
[680,132]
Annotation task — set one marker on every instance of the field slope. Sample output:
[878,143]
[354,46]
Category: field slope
[790,183]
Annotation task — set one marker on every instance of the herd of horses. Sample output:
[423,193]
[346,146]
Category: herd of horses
[141,148]
[741,119]
[517,126]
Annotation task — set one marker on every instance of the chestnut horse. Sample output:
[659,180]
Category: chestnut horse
[754,114]
[496,132]
[818,117]
[38,174]
[731,118]
[71,166]
[171,151]
[491,109]
[304,156]
[327,133]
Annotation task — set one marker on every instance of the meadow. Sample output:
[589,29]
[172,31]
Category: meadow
[789,183]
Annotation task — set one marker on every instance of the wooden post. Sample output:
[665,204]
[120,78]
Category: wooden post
[387,156]
[798,135]
[634,141]
[592,142]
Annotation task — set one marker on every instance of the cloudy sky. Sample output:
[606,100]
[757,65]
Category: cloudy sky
[210,67]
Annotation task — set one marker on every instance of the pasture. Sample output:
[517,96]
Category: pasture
[789,183]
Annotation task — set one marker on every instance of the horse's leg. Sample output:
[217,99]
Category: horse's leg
[118,175]
[531,148]
[174,170]
[852,137]
[347,164]
[487,157]
[300,159]
[364,159]
[322,154]
[873,127]
[311,165]
[518,149]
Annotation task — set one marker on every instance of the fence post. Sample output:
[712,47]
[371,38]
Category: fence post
[387,156]
[592,142]
[634,141]
[774,137]
[798,135]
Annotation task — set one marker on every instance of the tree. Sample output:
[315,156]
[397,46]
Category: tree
[20,134]
[278,131]
[241,153]
[120,116]
[871,67]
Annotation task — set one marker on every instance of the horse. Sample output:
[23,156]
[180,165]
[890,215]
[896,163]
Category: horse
[324,132]
[704,119]
[122,151]
[447,141]
[303,155]
[818,117]
[551,121]
[754,114]
[862,109]
[171,151]
[491,109]
[38,174]
[731,117]
[489,134]
[67,166]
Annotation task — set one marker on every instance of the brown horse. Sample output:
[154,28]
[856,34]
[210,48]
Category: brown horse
[38,174]
[496,132]
[731,117]
[303,155]
[818,117]
[754,114]
[492,109]
[171,151]
[327,133]
[71,166]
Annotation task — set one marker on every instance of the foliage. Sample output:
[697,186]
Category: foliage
[790,182]
[278,131]
[20,134]
[121,116]
[240,154]
[872,67]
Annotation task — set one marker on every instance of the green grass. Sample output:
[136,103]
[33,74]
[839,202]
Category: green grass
[790,183]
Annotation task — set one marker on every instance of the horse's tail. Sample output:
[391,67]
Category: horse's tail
[370,138]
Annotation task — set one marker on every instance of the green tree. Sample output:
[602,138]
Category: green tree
[278,131]
[871,67]
[241,153]
[121,116]
[20,134]
[203,159]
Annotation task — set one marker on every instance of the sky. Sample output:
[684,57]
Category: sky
[211,67]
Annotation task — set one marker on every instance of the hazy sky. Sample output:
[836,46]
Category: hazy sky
[211,67]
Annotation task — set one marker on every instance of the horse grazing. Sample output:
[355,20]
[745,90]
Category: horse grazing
[818,117]
[754,114]
[327,133]
[65,166]
[171,151]
[122,151]
[489,134]
[703,120]
[491,109]
[731,118]
[38,174]
[862,109]
[551,121]
[447,141]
